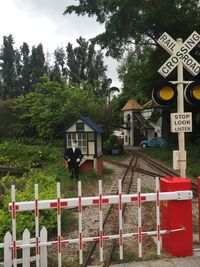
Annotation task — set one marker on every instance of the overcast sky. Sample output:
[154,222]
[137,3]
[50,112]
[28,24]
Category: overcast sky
[41,21]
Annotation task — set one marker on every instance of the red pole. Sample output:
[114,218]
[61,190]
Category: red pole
[199,203]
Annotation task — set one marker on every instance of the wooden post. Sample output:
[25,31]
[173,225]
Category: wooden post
[180,109]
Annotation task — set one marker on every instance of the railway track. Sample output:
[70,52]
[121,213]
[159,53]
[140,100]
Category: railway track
[113,212]
[157,170]
[160,169]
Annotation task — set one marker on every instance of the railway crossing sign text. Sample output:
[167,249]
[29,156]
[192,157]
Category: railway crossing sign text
[181,122]
[179,54]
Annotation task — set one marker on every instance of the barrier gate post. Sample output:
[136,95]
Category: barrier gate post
[176,214]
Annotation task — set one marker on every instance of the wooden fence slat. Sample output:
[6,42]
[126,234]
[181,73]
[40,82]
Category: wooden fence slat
[43,249]
[26,251]
[7,250]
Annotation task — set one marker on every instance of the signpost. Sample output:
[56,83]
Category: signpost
[181,122]
[180,58]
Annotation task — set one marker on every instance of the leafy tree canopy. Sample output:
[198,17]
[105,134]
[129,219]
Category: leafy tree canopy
[52,107]
[139,21]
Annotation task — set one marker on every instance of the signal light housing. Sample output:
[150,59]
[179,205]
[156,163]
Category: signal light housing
[192,93]
[165,94]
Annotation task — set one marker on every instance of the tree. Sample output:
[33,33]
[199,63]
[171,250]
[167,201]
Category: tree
[60,60]
[84,63]
[140,22]
[8,71]
[133,26]
[138,76]
[26,68]
[51,107]
[37,63]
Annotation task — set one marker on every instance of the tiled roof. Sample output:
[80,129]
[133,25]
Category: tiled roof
[131,105]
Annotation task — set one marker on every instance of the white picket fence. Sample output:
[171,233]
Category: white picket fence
[26,244]
[40,243]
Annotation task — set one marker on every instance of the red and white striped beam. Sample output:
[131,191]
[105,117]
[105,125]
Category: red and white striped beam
[94,201]
[97,238]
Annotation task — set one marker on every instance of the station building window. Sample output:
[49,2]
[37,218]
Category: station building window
[80,127]
[81,138]
[82,142]
[70,138]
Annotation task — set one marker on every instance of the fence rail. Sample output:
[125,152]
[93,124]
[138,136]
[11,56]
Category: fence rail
[40,242]
[25,244]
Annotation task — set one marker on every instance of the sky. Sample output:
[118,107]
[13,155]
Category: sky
[41,21]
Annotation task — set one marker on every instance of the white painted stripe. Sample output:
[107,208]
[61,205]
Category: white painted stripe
[100,222]
[80,223]
[158,213]
[37,227]
[139,218]
[14,226]
[120,220]
[59,225]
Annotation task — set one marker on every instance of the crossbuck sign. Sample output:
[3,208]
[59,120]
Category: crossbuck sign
[179,54]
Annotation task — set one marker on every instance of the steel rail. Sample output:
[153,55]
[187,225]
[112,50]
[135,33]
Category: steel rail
[109,258]
[94,244]
[157,165]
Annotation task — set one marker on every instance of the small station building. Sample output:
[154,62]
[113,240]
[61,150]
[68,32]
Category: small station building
[89,139]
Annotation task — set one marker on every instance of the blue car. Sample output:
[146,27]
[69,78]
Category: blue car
[155,142]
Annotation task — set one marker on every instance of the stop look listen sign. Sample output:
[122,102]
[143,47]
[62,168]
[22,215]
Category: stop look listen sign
[181,122]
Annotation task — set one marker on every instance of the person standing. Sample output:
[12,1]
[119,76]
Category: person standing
[73,156]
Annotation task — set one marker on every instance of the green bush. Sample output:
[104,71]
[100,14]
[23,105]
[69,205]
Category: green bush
[112,143]
[25,192]
[14,154]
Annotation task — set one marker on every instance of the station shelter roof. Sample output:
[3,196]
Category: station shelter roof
[92,124]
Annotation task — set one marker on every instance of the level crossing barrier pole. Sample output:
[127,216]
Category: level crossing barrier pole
[177,214]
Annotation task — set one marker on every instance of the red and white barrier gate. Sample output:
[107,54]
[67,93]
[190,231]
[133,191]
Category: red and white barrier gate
[99,200]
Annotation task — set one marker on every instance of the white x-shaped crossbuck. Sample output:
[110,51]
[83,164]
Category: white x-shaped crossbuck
[179,53]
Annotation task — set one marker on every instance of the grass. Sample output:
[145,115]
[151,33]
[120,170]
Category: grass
[166,156]
[118,158]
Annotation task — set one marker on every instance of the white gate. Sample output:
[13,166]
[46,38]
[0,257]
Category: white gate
[40,243]
[25,244]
